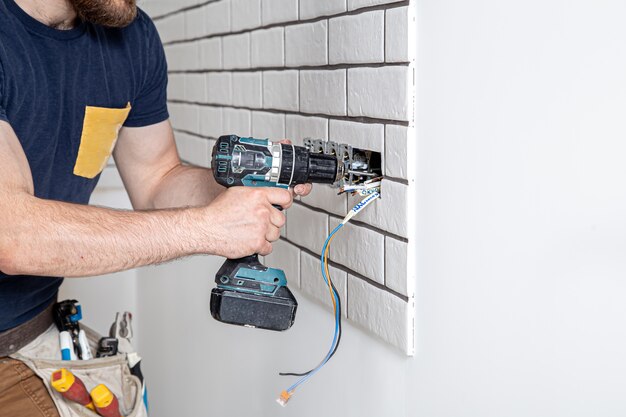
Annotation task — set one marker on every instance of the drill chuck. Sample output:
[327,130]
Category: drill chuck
[303,166]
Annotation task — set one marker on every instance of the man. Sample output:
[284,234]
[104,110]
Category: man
[79,79]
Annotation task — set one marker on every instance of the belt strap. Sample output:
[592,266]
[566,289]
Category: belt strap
[16,338]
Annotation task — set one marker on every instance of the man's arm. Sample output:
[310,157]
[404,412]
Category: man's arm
[51,238]
[154,176]
[152,172]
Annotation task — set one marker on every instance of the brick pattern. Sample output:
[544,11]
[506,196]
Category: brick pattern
[340,70]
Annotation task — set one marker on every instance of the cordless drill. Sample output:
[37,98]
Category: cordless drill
[249,293]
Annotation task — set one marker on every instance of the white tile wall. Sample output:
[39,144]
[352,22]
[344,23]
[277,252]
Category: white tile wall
[383,92]
[193,149]
[237,122]
[171,28]
[400,35]
[211,121]
[396,260]
[357,38]
[220,88]
[314,8]
[360,249]
[302,127]
[391,212]
[323,91]
[245,14]
[307,228]
[182,56]
[325,197]
[218,17]
[338,70]
[268,125]
[280,90]
[195,88]
[276,11]
[268,47]
[236,51]
[357,4]
[176,87]
[307,44]
[185,116]
[247,89]
[210,53]
[361,135]
[195,23]
[397,149]
[381,313]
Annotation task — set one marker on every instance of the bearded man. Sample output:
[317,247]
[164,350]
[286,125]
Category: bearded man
[81,80]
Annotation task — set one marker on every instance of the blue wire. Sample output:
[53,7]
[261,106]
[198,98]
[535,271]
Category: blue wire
[337,317]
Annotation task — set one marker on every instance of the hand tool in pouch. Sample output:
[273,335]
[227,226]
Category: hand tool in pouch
[105,401]
[71,388]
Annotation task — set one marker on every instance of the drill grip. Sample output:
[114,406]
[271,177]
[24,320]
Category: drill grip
[251,260]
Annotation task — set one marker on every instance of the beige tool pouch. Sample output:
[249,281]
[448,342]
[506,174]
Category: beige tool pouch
[43,355]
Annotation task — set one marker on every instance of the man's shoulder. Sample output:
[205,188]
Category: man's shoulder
[142,24]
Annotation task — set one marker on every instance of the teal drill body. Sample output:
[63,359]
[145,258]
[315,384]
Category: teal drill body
[249,293]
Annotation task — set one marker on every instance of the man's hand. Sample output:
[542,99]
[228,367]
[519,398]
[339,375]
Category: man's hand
[242,221]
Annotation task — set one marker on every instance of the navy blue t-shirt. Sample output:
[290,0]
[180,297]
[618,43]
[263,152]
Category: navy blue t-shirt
[66,93]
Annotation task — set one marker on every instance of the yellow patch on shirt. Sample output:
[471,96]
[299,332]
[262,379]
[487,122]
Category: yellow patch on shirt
[101,127]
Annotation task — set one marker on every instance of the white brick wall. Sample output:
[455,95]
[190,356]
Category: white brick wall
[280,90]
[276,11]
[236,51]
[247,89]
[314,36]
[195,88]
[219,85]
[268,48]
[339,70]
[245,14]
[380,92]
[314,8]
[268,125]
[357,38]
[210,53]
[218,17]
[323,91]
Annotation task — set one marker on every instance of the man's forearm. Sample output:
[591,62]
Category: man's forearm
[186,186]
[50,238]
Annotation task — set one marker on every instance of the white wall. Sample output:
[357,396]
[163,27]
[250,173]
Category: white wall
[522,209]
[522,235]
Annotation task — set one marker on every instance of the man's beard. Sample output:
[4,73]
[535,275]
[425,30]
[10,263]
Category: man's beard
[109,13]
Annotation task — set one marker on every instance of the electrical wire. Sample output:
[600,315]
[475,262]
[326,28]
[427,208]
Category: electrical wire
[337,310]
[336,301]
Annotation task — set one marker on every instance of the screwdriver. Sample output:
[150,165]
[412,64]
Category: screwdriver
[71,387]
[105,401]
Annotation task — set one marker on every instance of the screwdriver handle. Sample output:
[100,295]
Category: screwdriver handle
[71,387]
[105,401]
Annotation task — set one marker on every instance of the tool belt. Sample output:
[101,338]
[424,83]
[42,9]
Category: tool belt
[14,339]
[43,356]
